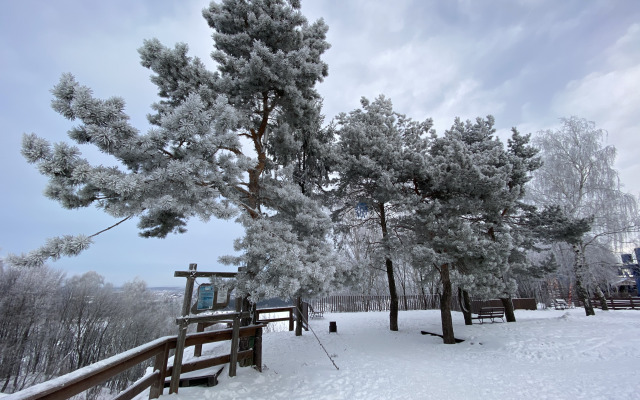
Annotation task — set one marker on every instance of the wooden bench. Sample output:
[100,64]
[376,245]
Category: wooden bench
[315,314]
[490,313]
[560,304]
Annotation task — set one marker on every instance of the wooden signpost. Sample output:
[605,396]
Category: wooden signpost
[207,301]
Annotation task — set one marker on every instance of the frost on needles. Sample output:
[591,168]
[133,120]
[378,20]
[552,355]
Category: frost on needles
[191,163]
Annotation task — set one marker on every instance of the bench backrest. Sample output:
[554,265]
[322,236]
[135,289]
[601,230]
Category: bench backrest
[491,311]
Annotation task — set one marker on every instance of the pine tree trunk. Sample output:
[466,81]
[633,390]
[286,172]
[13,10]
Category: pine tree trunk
[603,300]
[509,312]
[425,305]
[465,306]
[393,293]
[578,267]
[445,306]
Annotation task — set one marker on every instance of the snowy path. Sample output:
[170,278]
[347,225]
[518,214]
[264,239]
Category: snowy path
[545,355]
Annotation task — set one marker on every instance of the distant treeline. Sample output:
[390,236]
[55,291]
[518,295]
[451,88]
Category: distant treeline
[52,325]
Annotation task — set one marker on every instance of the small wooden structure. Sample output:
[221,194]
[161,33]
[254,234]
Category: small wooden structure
[202,320]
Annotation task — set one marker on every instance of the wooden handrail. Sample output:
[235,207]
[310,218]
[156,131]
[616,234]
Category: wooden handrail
[66,386]
[290,318]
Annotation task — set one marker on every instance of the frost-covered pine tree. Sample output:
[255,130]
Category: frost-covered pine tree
[468,184]
[372,172]
[192,163]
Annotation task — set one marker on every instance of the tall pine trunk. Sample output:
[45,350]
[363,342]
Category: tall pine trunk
[445,305]
[393,293]
[465,306]
[578,269]
[509,312]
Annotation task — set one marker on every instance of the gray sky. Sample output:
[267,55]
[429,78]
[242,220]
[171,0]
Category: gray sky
[526,62]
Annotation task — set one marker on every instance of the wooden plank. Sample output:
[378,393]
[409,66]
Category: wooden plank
[274,309]
[220,335]
[212,361]
[298,316]
[137,388]
[160,365]
[203,274]
[192,319]
[274,320]
[235,339]
[182,330]
[177,360]
[197,351]
[257,350]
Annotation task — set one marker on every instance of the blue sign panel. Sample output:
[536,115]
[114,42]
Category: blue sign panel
[205,297]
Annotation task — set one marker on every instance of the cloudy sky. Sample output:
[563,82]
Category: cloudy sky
[526,62]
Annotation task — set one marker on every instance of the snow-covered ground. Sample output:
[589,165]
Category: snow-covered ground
[547,354]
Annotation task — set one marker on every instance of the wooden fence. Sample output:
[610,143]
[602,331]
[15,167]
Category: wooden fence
[619,303]
[93,375]
[359,303]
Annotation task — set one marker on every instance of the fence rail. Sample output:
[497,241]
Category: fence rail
[291,317]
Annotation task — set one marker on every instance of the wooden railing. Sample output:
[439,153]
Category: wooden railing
[93,375]
[290,317]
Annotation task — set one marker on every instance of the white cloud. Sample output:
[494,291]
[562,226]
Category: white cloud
[610,97]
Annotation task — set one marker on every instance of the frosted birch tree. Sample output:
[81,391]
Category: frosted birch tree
[579,176]
[192,164]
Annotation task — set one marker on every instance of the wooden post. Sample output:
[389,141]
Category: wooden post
[291,311]
[257,350]
[305,315]
[182,333]
[298,316]
[160,364]
[197,350]
[235,339]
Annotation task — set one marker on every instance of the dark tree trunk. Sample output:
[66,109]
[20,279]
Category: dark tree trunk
[244,343]
[393,293]
[465,305]
[508,309]
[425,305]
[445,306]
[603,300]
[581,290]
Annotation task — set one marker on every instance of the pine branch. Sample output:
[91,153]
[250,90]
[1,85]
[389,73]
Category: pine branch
[112,226]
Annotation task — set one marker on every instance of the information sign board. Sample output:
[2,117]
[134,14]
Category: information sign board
[205,297]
